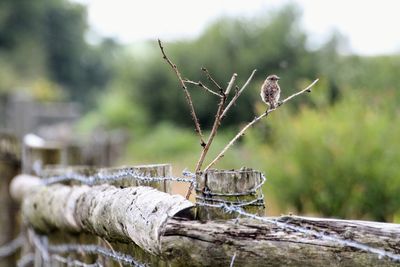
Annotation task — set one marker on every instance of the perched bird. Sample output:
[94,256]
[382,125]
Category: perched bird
[270,91]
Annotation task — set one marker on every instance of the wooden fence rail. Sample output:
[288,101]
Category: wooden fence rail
[87,216]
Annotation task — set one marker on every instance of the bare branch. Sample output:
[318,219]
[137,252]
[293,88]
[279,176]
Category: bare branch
[241,132]
[187,94]
[230,84]
[307,89]
[237,95]
[201,85]
[221,154]
[217,123]
[212,80]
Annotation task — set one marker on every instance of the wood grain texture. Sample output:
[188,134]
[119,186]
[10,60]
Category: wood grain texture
[260,244]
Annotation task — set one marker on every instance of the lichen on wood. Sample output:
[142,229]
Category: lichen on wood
[133,214]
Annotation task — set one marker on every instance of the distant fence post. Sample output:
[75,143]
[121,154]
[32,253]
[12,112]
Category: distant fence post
[9,168]
[230,187]
[35,157]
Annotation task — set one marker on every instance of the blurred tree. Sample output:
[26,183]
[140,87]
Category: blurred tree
[273,45]
[47,39]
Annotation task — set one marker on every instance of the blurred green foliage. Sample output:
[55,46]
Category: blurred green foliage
[46,40]
[332,152]
[274,45]
[337,161]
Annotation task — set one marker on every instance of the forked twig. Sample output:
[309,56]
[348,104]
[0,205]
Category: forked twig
[201,85]
[237,95]
[219,116]
[208,75]
[221,112]
[217,123]
[241,132]
[187,94]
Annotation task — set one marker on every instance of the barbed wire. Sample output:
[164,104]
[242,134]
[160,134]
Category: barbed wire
[47,250]
[75,262]
[117,175]
[26,260]
[95,249]
[205,200]
[12,246]
[244,193]
[208,196]
[344,242]
[259,201]
[41,243]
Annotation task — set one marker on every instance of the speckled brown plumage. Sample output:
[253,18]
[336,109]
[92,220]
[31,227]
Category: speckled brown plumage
[270,91]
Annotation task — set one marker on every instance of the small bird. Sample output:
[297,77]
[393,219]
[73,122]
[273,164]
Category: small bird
[270,91]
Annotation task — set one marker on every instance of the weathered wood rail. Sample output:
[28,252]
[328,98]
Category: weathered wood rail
[139,218]
[126,215]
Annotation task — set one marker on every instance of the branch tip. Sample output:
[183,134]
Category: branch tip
[242,131]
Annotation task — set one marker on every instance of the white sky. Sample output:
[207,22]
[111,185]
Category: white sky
[371,27]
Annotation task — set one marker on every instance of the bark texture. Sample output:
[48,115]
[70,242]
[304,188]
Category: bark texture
[145,216]
[262,244]
[135,214]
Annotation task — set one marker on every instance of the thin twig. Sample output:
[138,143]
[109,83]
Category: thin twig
[233,100]
[187,94]
[110,247]
[233,260]
[217,123]
[201,85]
[307,89]
[208,75]
[221,154]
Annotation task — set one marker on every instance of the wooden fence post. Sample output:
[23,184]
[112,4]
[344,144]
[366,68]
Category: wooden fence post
[35,157]
[9,168]
[241,187]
